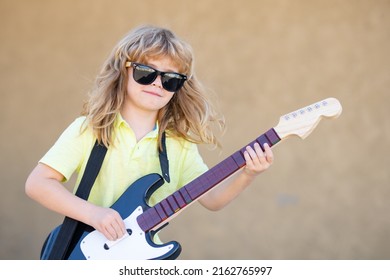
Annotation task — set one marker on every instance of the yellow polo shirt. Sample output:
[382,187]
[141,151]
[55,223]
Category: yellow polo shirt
[126,161]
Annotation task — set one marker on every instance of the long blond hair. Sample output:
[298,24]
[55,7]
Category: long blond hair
[189,114]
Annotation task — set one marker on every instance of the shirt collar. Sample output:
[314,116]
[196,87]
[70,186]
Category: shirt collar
[119,121]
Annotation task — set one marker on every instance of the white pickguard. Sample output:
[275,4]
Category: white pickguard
[130,247]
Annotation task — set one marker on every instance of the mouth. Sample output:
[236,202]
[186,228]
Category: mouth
[153,93]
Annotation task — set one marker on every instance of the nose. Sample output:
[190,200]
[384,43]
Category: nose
[157,82]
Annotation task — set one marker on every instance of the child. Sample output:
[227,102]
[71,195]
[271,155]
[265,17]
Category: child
[146,87]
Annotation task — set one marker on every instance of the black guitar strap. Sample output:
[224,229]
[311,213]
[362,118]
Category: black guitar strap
[163,156]
[69,225]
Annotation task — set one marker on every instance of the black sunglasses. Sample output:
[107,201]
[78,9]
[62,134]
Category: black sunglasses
[145,75]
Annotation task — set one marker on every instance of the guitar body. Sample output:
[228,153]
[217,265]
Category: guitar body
[89,244]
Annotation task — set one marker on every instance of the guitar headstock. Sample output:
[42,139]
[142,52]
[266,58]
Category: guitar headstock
[303,121]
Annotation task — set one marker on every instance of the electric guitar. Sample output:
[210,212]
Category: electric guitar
[143,221]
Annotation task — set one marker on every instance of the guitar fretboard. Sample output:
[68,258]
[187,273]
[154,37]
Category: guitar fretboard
[196,188]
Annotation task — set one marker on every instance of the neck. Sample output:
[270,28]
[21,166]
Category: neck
[141,122]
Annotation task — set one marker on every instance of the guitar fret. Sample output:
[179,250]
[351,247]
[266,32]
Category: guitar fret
[239,159]
[173,203]
[148,219]
[272,136]
[193,191]
[262,140]
[142,222]
[232,164]
[179,199]
[166,207]
[213,177]
[160,211]
[186,196]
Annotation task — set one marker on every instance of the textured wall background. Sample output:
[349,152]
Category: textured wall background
[326,197]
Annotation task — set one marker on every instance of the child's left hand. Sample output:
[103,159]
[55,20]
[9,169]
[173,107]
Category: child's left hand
[257,161]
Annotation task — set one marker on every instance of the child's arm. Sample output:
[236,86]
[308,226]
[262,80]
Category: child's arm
[44,186]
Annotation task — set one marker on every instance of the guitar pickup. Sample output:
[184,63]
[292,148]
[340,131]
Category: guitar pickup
[109,244]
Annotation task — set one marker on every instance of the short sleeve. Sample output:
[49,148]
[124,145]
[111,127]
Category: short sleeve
[193,165]
[68,153]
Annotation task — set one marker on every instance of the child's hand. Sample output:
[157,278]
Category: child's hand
[257,161]
[108,222]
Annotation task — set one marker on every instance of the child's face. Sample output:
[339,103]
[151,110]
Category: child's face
[151,97]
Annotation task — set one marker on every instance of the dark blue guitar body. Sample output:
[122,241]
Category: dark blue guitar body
[134,201]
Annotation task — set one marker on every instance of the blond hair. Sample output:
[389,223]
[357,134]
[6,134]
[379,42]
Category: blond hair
[189,114]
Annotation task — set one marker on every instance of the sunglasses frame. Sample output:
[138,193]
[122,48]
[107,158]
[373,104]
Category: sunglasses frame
[159,73]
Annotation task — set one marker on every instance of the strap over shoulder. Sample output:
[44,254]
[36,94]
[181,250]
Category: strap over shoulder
[69,225]
[163,156]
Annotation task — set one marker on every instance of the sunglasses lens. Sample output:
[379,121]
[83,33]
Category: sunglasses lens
[172,81]
[144,75]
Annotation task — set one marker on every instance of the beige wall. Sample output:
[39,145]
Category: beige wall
[326,197]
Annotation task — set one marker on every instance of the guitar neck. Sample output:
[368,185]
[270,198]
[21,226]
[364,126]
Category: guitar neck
[299,123]
[189,193]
